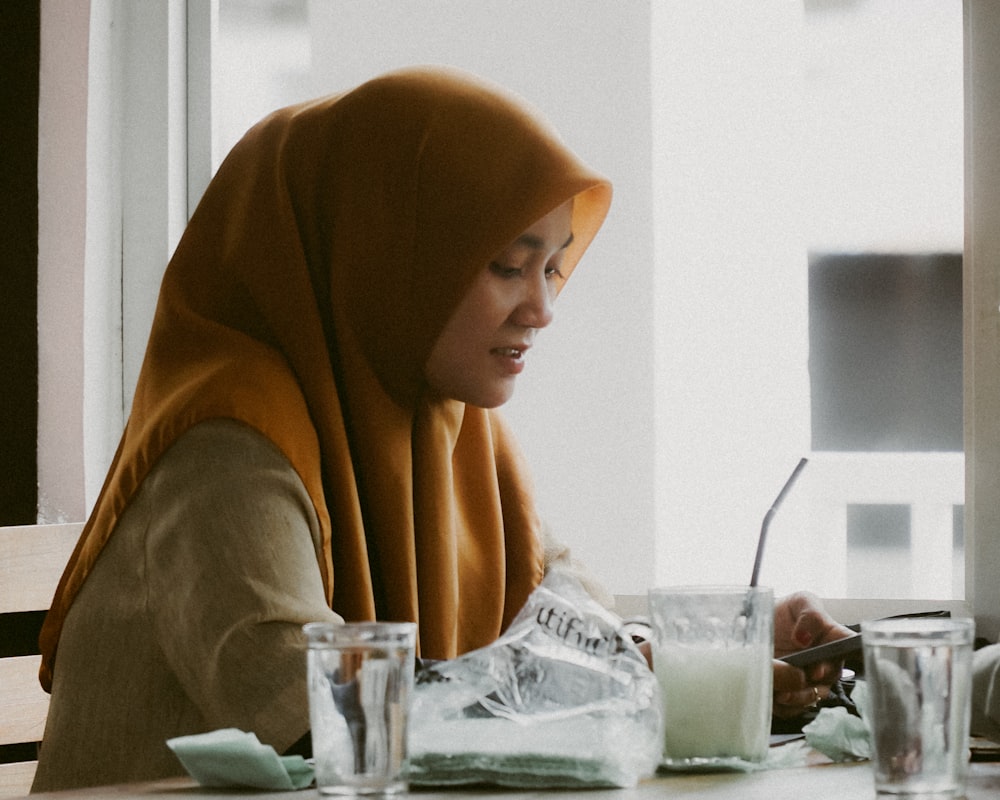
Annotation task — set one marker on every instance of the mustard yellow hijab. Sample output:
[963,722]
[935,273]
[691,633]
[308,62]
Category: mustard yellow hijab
[303,300]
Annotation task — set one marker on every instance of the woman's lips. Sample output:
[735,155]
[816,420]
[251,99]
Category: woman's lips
[511,357]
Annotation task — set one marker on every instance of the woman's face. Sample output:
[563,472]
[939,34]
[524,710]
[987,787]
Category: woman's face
[482,349]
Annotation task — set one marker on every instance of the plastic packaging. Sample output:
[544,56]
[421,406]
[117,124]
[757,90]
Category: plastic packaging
[563,698]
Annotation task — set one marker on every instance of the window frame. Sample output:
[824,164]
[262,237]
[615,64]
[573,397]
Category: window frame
[981,288]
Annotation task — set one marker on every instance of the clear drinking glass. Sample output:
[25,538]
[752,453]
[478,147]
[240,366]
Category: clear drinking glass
[712,652]
[919,675]
[360,682]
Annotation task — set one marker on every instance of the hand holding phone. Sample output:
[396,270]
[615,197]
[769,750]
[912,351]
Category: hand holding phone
[830,651]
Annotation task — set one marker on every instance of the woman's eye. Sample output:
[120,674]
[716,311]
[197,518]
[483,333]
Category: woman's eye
[504,271]
[553,272]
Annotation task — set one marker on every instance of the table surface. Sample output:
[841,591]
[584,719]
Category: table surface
[821,782]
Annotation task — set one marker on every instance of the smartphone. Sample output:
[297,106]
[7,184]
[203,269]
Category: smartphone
[831,651]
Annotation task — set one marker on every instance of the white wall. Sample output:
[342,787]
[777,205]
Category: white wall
[112,179]
[777,131]
[732,383]
[583,409]
[62,218]
[103,408]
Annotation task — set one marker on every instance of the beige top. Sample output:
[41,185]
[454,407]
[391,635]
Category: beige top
[211,574]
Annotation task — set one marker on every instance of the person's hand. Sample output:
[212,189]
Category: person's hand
[800,622]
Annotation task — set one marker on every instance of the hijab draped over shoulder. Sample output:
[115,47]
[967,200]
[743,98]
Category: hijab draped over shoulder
[304,299]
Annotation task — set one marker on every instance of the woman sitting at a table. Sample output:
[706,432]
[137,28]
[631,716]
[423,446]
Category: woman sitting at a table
[313,435]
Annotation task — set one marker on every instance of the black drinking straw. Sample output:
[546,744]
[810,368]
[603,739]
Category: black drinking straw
[769,514]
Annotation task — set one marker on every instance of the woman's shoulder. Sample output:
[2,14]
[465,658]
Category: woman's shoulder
[223,468]
[218,441]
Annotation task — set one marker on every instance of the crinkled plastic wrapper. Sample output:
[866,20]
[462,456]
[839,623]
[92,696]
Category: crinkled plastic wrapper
[563,699]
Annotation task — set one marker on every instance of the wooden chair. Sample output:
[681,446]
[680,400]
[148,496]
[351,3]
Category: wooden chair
[31,561]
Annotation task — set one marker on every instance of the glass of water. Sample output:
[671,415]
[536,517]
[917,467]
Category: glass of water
[360,682]
[919,677]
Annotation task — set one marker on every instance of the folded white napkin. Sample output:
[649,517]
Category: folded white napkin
[231,757]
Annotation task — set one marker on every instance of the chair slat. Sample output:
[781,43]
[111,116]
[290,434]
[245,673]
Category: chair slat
[16,778]
[25,705]
[31,561]
[32,558]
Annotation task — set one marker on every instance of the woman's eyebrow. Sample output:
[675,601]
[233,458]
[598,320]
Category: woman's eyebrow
[537,243]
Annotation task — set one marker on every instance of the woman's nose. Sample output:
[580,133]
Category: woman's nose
[537,309]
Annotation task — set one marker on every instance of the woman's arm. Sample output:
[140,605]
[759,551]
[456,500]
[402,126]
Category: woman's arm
[232,576]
